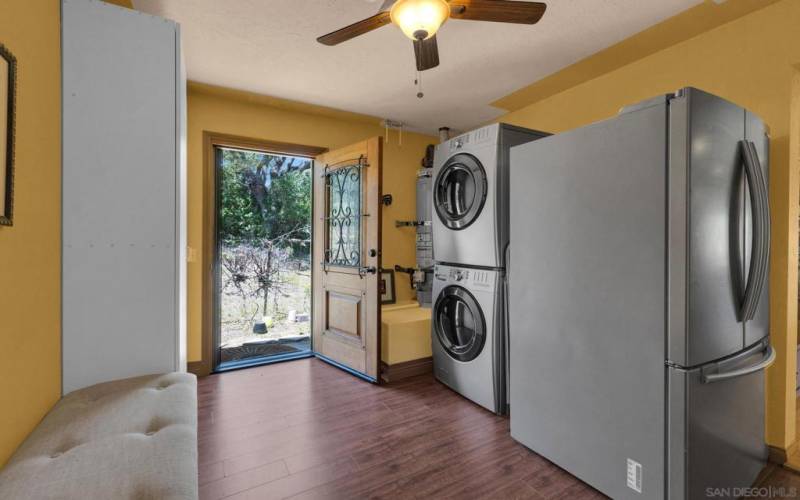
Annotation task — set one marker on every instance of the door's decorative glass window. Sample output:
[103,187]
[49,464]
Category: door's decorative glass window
[344,215]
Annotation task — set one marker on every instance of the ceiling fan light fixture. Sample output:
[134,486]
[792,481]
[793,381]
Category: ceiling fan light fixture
[420,19]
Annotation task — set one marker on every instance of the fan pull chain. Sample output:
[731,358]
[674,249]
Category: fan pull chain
[418,83]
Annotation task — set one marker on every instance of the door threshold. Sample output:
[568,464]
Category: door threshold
[266,360]
[346,368]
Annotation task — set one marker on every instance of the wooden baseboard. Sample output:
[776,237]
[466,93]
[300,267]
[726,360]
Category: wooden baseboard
[791,458]
[777,455]
[199,368]
[406,369]
[787,458]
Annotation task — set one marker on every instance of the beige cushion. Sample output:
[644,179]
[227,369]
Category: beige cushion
[127,439]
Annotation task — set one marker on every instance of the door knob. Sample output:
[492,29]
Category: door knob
[363,271]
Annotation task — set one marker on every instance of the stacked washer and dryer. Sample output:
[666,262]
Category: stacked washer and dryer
[470,235]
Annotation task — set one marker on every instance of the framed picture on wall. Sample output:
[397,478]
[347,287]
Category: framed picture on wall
[8,74]
[386,287]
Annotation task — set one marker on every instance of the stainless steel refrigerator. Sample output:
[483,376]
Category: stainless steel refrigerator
[639,298]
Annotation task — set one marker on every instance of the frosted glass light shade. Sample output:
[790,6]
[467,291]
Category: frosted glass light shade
[420,19]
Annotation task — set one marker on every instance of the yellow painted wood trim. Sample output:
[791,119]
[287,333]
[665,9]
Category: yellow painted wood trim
[122,3]
[785,209]
[676,29]
[278,103]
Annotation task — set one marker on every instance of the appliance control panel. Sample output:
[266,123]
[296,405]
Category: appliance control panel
[465,277]
[459,142]
[481,279]
[473,138]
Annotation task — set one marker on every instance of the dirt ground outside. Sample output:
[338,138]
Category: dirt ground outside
[288,307]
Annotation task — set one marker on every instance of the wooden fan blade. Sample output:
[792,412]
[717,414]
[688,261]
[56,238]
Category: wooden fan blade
[371,23]
[427,53]
[499,11]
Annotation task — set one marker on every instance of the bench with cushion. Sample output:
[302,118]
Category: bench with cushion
[128,439]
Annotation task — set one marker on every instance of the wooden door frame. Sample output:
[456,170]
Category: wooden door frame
[211,140]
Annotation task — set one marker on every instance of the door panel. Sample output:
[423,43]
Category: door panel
[344,314]
[347,256]
[716,126]
[758,327]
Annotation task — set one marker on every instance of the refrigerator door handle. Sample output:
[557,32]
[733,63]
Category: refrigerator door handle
[507,326]
[506,306]
[759,260]
[766,361]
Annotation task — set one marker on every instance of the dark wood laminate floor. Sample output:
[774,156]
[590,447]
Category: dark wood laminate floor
[306,430]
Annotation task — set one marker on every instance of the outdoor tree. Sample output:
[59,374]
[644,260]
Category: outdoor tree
[235,264]
[268,261]
[265,196]
[264,225]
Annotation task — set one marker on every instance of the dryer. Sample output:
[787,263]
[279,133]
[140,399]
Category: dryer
[468,334]
[470,195]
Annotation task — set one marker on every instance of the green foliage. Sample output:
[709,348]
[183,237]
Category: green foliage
[265,197]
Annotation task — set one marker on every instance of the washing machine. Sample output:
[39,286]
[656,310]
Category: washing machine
[470,195]
[468,334]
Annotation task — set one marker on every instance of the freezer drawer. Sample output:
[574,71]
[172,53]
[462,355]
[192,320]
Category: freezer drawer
[716,427]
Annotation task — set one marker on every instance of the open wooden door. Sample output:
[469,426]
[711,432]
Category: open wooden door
[347,257]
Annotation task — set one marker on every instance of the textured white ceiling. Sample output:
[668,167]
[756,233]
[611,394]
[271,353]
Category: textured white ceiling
[269,47]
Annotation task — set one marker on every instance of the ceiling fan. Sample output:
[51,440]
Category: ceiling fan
[421,19]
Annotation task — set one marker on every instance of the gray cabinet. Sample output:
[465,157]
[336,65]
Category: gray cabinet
[123,199]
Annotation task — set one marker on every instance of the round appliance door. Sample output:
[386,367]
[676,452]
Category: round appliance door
[459,323]
[460,191]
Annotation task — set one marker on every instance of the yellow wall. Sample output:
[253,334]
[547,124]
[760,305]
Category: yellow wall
[30,329]
[748,61]
[230,112]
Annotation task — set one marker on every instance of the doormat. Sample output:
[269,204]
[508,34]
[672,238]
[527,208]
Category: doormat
[254,351]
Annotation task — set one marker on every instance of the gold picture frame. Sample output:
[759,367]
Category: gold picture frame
[8,91]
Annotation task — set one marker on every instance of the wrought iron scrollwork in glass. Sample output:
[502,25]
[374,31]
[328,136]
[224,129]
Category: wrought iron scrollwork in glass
[343,185]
